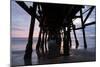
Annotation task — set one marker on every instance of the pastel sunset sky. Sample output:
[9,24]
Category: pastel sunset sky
[20,22]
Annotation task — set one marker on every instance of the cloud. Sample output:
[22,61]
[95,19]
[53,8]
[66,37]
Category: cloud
[17,29]
[16,33]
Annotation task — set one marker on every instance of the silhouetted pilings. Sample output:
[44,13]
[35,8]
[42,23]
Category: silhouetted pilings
[67,38]
[38,44]
[45,42]
[83,29]
[76,40]
[48,29]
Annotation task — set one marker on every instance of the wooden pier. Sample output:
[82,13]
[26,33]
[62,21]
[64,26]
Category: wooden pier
[53,19]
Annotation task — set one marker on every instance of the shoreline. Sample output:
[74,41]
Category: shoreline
[76,55]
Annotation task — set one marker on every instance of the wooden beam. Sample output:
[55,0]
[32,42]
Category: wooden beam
[88,24]
[28,51]
[83,30]
[24,6]
[86,11]
[76,40]
[91,9]
[76,17]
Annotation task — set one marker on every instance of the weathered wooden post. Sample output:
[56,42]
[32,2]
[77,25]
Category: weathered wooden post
[42,42]
[83,22]
[76,41]
[38,44]
[28,51]
[66,46]
[45,41]
[70,41]
[83,29]
[32,12]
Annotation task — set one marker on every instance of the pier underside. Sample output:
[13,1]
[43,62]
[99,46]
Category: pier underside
[55,23]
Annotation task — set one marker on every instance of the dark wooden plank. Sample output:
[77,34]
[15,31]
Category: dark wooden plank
[88,24]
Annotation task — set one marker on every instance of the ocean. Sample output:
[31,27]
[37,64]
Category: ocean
[18,46]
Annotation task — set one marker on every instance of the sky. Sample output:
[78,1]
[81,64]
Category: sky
[20,22]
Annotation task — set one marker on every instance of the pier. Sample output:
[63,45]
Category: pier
[56,21]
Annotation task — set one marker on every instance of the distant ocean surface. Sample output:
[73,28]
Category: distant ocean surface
[19,44]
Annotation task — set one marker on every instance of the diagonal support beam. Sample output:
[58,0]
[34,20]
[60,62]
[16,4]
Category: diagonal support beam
[28,10]
[91,9]
[24,6]
[28,51]
[88,24]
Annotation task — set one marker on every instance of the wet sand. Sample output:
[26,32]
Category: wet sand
[76,55]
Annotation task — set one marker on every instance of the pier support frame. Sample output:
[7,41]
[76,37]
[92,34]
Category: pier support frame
[83,29]
[28,51]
